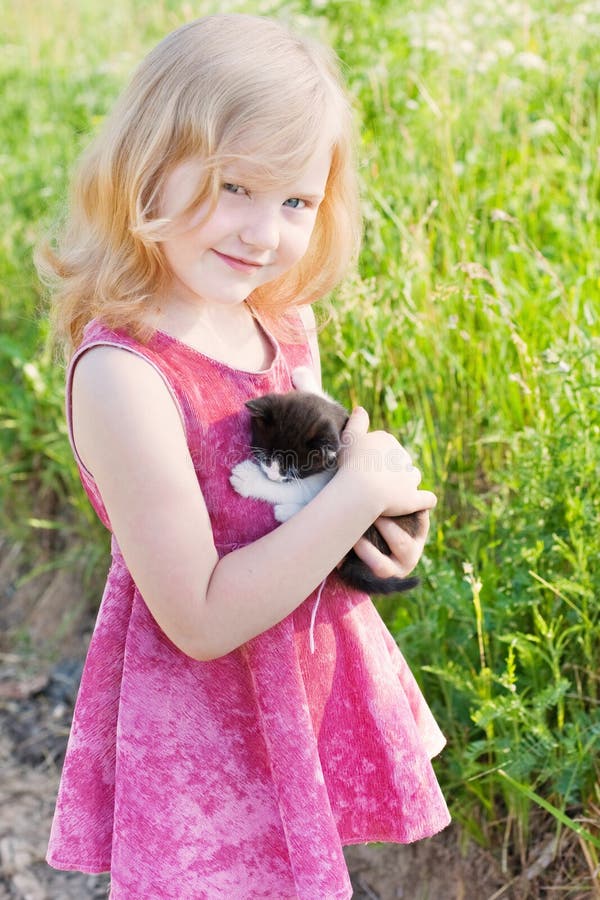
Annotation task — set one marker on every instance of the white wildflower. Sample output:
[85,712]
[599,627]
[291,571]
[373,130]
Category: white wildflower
[436,46]
[504,47]
[487,59]
[531,61]
[34,377]
[512,85]
[541,128]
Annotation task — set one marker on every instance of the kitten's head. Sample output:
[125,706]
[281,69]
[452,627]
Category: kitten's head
[296,434]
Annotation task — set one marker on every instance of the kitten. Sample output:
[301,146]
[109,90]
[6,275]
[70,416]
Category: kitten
[295,443]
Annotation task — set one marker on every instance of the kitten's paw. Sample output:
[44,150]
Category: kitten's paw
[245,478]
[285,511]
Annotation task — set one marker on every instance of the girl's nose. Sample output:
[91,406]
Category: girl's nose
[261,229]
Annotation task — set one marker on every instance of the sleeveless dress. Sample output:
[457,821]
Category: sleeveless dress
[241,777]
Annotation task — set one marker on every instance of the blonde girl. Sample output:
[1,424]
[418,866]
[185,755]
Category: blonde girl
[212,754]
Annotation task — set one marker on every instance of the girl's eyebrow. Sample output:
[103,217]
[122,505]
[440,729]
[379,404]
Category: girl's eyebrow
[245,179]
[307,193]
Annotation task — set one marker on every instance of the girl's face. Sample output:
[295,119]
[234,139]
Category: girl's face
[251,238]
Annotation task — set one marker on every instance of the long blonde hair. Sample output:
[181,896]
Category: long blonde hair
[221,88]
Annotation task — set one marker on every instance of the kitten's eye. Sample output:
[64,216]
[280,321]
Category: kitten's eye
[330,458]
[295,203]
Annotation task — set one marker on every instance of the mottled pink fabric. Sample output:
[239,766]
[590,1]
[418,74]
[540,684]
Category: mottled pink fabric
[241,777]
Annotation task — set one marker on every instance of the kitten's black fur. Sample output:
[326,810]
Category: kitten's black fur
[301,430]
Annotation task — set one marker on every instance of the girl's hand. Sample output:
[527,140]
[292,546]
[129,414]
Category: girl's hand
[406,550]
[379,466]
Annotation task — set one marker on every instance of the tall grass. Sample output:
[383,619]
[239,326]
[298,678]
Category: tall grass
[470,329]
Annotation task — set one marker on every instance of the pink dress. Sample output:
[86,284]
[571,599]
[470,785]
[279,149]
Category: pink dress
[242,777]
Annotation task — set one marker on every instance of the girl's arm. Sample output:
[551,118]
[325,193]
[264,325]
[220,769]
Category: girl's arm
[128,433]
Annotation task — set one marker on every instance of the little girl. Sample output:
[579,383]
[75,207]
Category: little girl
[212,755]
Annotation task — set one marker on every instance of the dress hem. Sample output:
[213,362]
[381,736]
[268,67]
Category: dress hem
[427,832]
[98,868]
[89,868]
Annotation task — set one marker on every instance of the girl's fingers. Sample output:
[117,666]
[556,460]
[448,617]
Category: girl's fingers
[381,565]
[406,550]
[415,501]
[357,425]
[397,538]
[415,472]
[425,500]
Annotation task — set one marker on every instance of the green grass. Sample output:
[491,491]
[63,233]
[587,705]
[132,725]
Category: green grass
[471,330]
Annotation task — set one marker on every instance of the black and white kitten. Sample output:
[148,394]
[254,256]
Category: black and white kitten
[295,444]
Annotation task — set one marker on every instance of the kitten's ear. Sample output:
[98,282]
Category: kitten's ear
[260,408]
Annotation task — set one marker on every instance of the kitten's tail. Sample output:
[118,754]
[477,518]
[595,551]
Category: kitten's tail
[356,574]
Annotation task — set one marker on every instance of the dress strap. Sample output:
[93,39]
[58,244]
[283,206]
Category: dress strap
[314,615]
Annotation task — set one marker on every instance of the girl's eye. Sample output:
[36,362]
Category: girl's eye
[295,203]
[233,188]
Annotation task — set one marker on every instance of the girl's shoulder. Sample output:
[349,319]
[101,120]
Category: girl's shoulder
[108,358]
[106,386]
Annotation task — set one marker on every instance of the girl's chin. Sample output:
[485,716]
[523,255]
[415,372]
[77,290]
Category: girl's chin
[216,296]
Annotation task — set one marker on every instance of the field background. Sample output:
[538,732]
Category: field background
[471,329]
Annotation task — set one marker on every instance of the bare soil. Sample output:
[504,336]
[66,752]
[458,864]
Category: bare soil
[45,625]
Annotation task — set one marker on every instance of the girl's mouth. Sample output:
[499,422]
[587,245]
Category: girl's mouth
[241,265]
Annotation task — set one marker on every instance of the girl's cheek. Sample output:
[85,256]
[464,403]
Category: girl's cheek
[304,243]
[198,217]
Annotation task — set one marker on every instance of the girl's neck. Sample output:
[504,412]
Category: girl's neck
[229,334]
